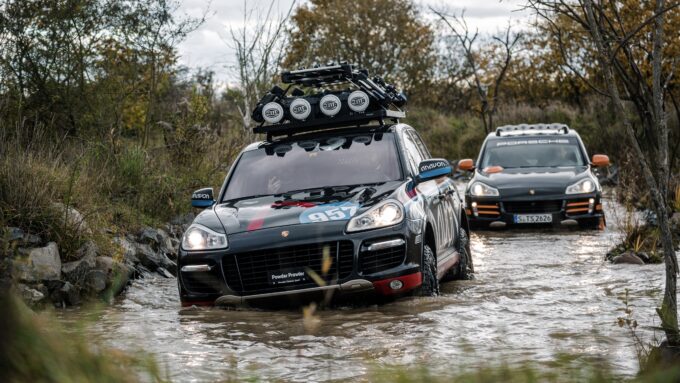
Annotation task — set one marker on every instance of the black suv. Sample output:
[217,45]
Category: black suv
[534,174]
[330,204]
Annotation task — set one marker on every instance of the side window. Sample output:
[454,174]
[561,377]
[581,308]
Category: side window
[412,152]
[421,145]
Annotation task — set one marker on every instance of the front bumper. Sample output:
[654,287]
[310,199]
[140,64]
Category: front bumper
[238,275]
[565,210]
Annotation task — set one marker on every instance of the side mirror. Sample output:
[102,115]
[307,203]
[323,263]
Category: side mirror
[202,198]
[466,165]
[433,168]
[600,161]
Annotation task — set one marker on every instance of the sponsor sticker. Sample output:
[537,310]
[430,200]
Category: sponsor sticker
[272,112]
[287,277]
[300,108]
[358,101]
[337,211]
[330,105]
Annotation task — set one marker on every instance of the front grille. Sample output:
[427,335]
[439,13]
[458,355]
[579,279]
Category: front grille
[375,261]
[202,282]
[533,206]
[254,268]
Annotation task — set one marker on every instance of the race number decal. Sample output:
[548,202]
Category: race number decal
[339,211]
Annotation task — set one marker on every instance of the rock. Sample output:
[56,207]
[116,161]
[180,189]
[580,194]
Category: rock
[149,236]
[105,264]
[88,250]
[166,245]
[164,272]
[76,271]
[39,263]
[73,217]
[29,294]
[628,258]
[13,234]
[95,280]
[129,250]
[675,220]
[644,256]
[66,294]
[152,260]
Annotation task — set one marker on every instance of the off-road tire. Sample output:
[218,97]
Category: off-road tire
[465,269]
[428,269]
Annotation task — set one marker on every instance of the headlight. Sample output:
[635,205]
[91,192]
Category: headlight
[385,214]
[586,185]
[479,189]
[199,237]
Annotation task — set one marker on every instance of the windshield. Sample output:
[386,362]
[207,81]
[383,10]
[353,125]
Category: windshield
[309,164]
[533,152]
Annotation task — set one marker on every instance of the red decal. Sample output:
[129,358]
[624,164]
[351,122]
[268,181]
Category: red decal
[410,282]
[293,203]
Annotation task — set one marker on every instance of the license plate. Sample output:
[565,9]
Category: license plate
[287,277]
[533,218]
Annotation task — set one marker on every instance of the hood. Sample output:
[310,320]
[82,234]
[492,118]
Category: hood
[313,206]
[516,182]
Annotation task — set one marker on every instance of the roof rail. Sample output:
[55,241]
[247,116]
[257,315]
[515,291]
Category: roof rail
[364,100]
[526,129]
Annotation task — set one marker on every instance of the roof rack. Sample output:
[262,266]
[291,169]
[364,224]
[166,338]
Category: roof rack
[365,100]
[527,129]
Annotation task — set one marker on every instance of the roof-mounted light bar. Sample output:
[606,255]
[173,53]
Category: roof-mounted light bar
[364,101]
[525,129]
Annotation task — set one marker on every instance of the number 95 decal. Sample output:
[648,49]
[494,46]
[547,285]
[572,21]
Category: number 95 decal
[329,212]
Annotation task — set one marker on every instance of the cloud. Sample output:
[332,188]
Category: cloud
[208,47]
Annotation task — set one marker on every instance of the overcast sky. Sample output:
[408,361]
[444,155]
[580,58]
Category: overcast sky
[209,46]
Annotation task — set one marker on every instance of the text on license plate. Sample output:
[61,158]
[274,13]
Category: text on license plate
[533,218]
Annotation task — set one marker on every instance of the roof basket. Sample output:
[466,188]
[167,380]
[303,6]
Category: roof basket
[365,100]
[527,129]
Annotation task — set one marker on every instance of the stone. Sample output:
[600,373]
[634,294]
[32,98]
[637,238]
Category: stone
[164,272]
[105,264]
[149,236]
[128,248]
[74,218]
[66,294]
[15,234]
[95,280]
[39,263]
[644,256]
[628,258]
[29,294]
[88,250]
[75,271]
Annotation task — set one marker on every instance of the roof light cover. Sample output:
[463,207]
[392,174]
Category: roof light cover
[272,112]
[358,101]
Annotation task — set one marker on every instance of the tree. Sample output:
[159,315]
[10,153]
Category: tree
[636,75]
[487,70]
[66,63]
[259,46]
[384,36]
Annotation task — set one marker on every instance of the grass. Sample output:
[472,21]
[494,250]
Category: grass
[36,349]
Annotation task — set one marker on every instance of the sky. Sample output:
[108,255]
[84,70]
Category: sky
[210,47]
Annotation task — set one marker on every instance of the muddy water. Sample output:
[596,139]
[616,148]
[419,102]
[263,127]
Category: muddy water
[537,294]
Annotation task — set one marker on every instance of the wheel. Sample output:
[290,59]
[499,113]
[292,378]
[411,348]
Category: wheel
[465,268]
[428,269]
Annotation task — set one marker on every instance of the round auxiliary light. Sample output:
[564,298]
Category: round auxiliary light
[330,105]
[358,101]
[300,109]
[396,284]
[272,112]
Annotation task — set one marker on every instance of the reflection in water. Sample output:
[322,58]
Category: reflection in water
[537,294]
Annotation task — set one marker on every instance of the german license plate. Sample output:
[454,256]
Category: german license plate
[287,277]
[533,218]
